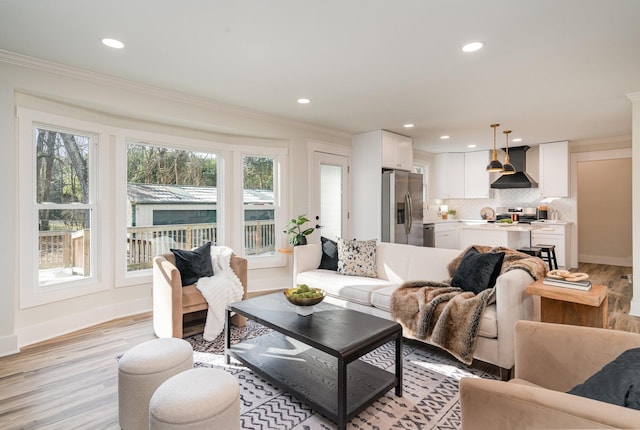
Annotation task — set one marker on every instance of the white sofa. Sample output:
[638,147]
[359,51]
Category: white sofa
[397,263]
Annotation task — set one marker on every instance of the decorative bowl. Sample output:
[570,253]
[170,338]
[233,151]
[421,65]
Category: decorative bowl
[303,301]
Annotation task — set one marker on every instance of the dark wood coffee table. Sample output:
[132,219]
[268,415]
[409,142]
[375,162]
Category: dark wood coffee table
[316,358]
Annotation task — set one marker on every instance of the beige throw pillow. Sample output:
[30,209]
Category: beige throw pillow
[357,258]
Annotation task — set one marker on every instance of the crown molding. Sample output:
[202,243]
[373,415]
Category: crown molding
[634,97]
[26,61]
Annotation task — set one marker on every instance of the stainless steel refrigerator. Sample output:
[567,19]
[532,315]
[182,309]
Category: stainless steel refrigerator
[402,207]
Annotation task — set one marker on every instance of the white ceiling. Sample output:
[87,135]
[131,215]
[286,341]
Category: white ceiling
[550,70]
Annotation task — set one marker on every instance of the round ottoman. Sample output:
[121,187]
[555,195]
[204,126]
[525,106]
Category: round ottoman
[198,399]
[141,370]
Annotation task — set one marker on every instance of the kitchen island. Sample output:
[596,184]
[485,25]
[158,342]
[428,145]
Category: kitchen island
[511,236]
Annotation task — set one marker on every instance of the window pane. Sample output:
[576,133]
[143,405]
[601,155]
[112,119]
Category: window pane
[258,204]
[331,200]
[62,178]
[172,201]
[63,245]
[62,171]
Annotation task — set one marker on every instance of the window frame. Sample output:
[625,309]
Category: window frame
[125,278]
[280,156]
[31,292]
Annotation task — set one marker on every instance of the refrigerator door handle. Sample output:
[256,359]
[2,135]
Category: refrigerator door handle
[408,220]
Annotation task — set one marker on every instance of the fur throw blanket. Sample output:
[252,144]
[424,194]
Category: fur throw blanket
[445,315]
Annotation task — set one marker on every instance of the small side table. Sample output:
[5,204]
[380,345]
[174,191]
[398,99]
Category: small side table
[569,306]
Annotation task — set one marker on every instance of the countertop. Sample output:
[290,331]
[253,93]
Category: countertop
[498,227]
[479,223]
[450,220]
[543,222]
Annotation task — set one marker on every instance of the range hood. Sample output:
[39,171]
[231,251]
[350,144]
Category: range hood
[520,179]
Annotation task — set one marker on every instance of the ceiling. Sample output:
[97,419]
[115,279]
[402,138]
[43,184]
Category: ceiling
[550,69]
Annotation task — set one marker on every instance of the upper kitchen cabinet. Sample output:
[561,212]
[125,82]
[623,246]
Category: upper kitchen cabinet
[461,175]
[554,169]
[477,184]
[397,150]
[449,175]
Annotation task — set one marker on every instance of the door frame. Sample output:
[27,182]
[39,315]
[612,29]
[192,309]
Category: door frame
[314,191]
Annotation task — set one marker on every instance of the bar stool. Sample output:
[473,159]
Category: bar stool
[531,250]
[549,255]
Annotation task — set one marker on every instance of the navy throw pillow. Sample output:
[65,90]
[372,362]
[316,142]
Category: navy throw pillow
[617,382]
[329,259]
[478,271]
[195,264]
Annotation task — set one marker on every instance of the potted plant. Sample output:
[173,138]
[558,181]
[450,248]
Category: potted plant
[297,236]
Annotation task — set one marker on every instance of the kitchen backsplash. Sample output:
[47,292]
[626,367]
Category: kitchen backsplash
[527,197]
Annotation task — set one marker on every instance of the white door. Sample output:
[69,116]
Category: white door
[329,185]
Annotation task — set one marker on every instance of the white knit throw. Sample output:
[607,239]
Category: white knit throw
[219,290]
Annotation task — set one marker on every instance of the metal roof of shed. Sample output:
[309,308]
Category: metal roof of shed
[175,194]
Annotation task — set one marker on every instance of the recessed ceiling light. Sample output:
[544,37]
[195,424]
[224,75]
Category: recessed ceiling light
[471,146]
[444,137]
[408,125]
[304,101]
[112,43]
[472,46]
[518,139]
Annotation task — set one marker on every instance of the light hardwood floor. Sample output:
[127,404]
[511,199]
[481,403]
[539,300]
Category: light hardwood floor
[71,382]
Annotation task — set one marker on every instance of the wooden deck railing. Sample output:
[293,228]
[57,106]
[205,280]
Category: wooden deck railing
[62,249]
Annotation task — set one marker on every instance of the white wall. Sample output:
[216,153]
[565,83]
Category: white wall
[49,86]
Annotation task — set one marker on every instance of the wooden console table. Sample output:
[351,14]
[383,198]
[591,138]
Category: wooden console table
[569,306]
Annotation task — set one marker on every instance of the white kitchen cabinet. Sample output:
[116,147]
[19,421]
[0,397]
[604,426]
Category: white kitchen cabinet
[397,151]
[447,235]
[554,169]
[558,235]
[449,175]
[494,235]
[477,184]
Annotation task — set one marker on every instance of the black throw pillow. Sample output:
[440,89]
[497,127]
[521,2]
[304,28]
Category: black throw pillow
[478,271]
[195,264]
[617,382]
[329,259]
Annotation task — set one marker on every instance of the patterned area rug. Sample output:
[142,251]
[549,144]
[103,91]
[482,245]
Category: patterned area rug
[430,390]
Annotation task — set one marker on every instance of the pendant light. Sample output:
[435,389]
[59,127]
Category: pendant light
[494,165]
[507,166]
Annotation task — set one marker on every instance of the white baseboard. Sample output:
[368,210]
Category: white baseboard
[603,259]
[77,321]
[8,345]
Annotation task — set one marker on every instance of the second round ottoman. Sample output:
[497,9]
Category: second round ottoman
[197,399]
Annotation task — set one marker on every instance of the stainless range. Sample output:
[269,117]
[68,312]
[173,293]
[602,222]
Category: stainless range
[522,215]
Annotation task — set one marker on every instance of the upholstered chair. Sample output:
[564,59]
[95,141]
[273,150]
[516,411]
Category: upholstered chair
[550,359]
[173,304]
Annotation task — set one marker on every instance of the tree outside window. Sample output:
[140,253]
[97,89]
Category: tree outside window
[63,201]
